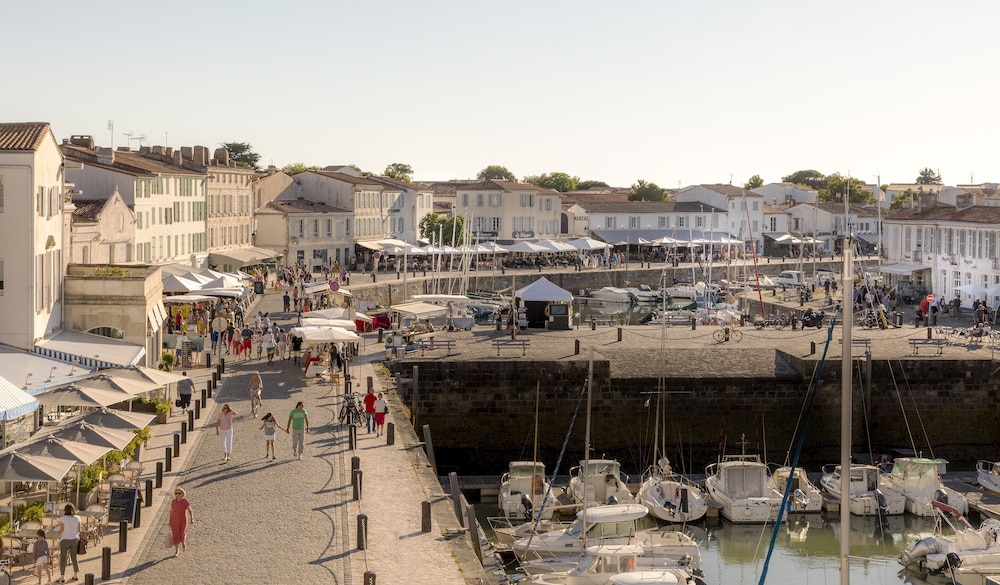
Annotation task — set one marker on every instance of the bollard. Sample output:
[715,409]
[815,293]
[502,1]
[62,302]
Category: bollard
[137,520]
[215,385]
[456,497]
[362,531]
[88,579]
[355,464]
[149,493]
[218,370]
[576,347]
[122,536]
[208,388]
[371,385]
[380,336]
[812,348]
[177,444]
[204,398]
[369,578]
[429,447]
[357,484]
[390,434]
[425,516]
[694,324]
[619,335]
[222,365]
[106,563]
[352,437]
[159,474]
[470,513]
[593,323]
[197,408]
[929,333]
[167,460]
[215,377]
[184,430]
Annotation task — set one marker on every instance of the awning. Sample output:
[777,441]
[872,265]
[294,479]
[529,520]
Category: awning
[870,238]
[242,256]
[85,349]
[902,268]
[420,310]
[370,246]
[156,314]
[15,402]
[188,299]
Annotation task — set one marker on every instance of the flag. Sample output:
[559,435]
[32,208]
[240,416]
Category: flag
[646,403]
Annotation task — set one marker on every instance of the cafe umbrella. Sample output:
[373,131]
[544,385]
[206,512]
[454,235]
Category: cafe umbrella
[18,467]
[112,418]
[85,432]
[83,454]
[78,395]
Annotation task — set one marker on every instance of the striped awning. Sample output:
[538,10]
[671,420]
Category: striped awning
[88,350]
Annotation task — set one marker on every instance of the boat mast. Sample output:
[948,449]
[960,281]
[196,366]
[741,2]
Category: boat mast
[846,378]
[534,455]
[586,445]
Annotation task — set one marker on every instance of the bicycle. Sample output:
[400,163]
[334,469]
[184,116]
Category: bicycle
[777,322]
[350,412]
[728,333]
[255,403]
[5,578]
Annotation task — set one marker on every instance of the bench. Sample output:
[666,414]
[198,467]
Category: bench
[523,343]
[428,344]
[606,321]
[863,343]
[939,344]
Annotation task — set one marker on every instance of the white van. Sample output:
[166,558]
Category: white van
[790,278]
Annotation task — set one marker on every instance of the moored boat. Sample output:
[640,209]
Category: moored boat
[612,294]
[670,496]
[967,551]
[866,495]
[644,294]
[803,496]
[598,481]
[988,475]
[744,489]
[525,493]
[625,563]
[919,480]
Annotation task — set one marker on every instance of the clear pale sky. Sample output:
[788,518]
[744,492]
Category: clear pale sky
[667,91]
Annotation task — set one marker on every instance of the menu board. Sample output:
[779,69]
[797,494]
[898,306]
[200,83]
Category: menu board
[122,504]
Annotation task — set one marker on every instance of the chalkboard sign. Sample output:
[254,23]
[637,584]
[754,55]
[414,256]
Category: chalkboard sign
[122,504]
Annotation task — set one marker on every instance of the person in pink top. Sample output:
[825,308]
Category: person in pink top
[224,428]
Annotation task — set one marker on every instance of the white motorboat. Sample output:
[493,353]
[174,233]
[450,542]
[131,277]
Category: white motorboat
[598,481]
[866,496]
[644,294]
[919,480]
[560,550]
[624,564]
[968,551]
[804,496]
[686,290]
[459,315]
[744,489]
[525,493]
[670,496]
[612,294]
[988,475]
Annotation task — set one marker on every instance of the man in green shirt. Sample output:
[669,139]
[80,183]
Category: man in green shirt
[298,422]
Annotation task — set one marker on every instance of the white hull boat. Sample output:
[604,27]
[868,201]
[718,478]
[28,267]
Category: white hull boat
[988,475]
[524,492]
[625,564]
[744,489]
[804,496]
[919,480]
[867,497]
[644,294]
[672,497]
[968,551]
[598,482]
[612,294]
[684,290]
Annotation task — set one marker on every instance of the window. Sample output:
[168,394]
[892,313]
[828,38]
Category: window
[1,194]
[609,222]
[496,199]
[329,228]
[661,222]
[527,199]
[680,221]
[479,199]
[633,222]
[465,199]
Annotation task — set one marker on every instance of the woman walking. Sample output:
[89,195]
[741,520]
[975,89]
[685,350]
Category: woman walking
[268,425]
[69,539]
[180,516]
[224,428]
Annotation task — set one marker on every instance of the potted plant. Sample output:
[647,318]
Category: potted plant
[166,361]
[162,411]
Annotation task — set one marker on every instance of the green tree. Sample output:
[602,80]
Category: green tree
[901,200]
[808,178]
[584,185]
[496,172]
[433,225]
[928,176]
[559,181]
[753,182]
[296,168]
[643,191]
[837,185]
[399,171]
[242,154]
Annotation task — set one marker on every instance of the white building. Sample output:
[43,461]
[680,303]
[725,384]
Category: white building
[365,198]
[408,204]
[33,223]
[311,234]
[508,211]
[744,217]
[650,220]
[103,230]
[785,194]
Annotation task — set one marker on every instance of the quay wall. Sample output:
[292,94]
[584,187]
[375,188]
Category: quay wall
[482,413]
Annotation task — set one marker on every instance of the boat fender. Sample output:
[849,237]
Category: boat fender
[941,496]
[677,492]
[611,500]
[528,505]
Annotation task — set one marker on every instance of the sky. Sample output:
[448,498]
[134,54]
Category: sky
[674,93]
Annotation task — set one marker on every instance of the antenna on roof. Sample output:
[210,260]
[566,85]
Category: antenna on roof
[140,138]
[111,126]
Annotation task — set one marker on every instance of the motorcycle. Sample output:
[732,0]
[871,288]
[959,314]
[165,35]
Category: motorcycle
[813,319]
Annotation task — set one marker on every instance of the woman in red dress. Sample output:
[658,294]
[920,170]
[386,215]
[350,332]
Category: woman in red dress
[180,516]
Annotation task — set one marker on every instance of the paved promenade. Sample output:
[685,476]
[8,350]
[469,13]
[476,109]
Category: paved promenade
[283,521]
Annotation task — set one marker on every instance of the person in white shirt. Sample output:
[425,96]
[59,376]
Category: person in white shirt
[69,538]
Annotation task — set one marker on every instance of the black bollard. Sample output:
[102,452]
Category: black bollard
[122,536]
[371,383]
[106,563]
[222,365]
[215,378]
[159,474]
[619,335]
[352,437]
[369,578]
[381,339]
[694,324]
[357,483]
[390,434]
[425,516]
[355,464]
[362,531]
[177,444]
[218,370]
[197,409]
[167,459]
[593,323]
[576,347]
[190,422]
[184,431]
[812,348]
[204,398]
[88,579]
[929,333]
[149,493]
[137,520]
[208,388]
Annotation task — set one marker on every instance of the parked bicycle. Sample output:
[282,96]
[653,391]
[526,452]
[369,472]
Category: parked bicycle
[778,322]
[351,412]
[5,578]
[728,333]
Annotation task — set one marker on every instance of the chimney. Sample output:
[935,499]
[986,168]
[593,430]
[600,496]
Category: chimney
[201,155]
[105,156]
[187,153]
[157,150]
[144,150]
[169,151]
[177,158]
[927,200]
[84,140]
[963,200]
[222,157]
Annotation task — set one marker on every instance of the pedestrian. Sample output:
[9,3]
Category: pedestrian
[40,554]
[286,304]
[381,408]
[298,422]
[268,425]
[296,349]
[69,539]
[269,345]
[258,342]
[255,386]
[180,516]
[185,388]
[224,429]
[280,341]
[370,399]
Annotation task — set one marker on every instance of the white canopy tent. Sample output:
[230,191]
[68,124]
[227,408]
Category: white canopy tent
[324,322]
[528,247]
[312,334]
[556,246]
[589,244]
[544,290]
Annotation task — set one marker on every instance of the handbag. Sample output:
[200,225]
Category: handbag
[169,542]
[81,547]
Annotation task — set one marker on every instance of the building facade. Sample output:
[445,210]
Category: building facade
[508,211]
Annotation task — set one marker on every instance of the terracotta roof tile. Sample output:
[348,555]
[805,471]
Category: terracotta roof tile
[347,178]
[300,206]
[974,214]
[87,209]
[22,135]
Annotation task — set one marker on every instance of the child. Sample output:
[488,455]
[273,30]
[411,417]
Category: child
[41,556]
[268,424]
[258,342]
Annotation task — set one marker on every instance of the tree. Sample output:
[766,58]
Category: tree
[584,185]
[927,176]
[753,182]
[296,168]
[433,225]
[399,171]
[496,172]
[901,200]
[809,178]
[242,154]
[559,181]
[643,191]
[837,185]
